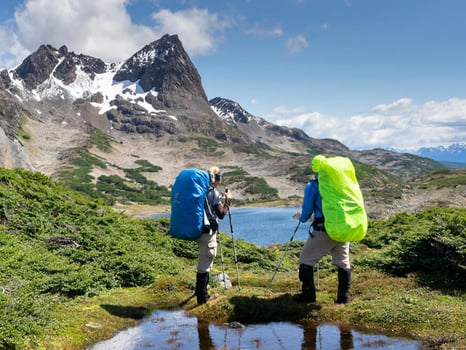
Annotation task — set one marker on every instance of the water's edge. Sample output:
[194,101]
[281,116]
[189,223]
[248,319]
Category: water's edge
[173,329]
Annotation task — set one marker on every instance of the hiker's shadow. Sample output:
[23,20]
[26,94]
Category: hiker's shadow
[262,310]
[133,312]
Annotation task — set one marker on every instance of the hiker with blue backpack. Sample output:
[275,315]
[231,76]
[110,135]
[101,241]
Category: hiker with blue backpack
[196,204]
[207,242]
[334,201]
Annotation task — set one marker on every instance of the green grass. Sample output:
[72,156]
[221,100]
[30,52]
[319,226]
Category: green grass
[254,186]
[101,140]
[134,187]
[257,149]
[208,144]
[73,271]
[441,179]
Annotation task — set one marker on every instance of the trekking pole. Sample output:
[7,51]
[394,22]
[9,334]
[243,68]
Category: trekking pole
[234,249]
[318,277]
[311,230]
[283,255]
[221,258]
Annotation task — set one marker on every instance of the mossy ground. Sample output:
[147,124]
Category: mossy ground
[74,271]
[389,305]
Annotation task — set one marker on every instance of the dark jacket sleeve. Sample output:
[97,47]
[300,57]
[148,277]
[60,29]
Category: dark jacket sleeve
[222,209]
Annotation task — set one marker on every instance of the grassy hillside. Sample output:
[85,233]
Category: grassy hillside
[72,271]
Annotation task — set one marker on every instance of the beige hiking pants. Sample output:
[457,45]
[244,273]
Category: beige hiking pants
[320,244]
[207,244]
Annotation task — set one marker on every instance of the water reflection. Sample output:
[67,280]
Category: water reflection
[312,338]
[174,330]
[205,341]
[346,338]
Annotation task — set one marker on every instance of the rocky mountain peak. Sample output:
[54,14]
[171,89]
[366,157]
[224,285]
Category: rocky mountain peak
[66,71]
[156,91]
[230,111]
[453,153]
[257,128]
[38,66]
[155,97]
[164,67]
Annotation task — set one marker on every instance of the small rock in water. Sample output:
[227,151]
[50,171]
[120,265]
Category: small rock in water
[234,324]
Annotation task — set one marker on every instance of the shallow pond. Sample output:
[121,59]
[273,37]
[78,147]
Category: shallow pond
[175,330]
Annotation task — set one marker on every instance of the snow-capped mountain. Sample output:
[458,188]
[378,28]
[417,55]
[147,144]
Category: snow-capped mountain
[157,88]
[57,99]
[454,153]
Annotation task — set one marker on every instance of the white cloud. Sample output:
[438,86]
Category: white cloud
[198,29]
[281,111]
[10,49]
[401,124]
[102,29]
[296,44]
[260,32]
[450,112]
[99,28]
[398,106]
[324,26]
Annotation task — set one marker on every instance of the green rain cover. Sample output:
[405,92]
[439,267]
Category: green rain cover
[342,201]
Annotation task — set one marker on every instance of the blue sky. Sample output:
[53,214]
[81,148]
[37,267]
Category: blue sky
[369,73]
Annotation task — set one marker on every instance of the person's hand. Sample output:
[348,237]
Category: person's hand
[227,194]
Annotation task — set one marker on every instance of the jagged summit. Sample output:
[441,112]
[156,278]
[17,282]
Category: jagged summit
[156,91]
[155,106]
[230,111]
[38,66]
[261,131]
[453,153]
[163,66]
[62,64]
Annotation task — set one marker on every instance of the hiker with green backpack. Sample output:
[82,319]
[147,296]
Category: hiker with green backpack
[334,200]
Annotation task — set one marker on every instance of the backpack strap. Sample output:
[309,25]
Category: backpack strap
[207,207]
[318,223]
[213,224]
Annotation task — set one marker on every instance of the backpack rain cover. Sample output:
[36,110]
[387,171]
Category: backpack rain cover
[187,203]
[342,200]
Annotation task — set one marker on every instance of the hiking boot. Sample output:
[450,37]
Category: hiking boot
[202,280]
[344,282]
[308,290]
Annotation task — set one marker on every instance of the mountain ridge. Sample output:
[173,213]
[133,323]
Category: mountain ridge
[153,107]
[454,153]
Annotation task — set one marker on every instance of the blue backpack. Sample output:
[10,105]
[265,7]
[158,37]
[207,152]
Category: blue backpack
[188,195]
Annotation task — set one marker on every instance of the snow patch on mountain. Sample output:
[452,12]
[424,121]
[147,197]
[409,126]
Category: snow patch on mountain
[85,86]
[230,111]
[453,153]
